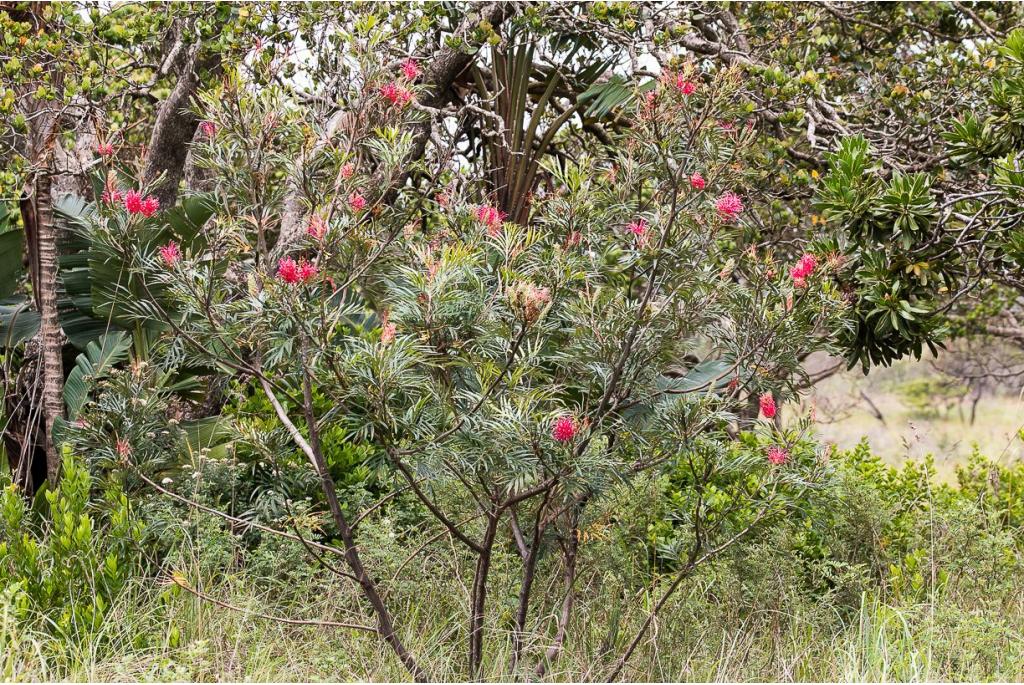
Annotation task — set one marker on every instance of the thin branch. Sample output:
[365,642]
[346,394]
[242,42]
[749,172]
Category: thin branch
[279,619]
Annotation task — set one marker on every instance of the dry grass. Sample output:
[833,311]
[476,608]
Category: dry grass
[845,418]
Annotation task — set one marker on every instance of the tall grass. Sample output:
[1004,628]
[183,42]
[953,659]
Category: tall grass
[157,633]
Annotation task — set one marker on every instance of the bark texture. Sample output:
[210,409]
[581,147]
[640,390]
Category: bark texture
[175,127]
[50,334]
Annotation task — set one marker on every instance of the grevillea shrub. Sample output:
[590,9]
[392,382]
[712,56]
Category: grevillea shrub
[506,374]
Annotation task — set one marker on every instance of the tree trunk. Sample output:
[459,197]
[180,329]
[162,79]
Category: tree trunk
[525,588]
[50,336]
[175,127]
[479,598]
[385,622]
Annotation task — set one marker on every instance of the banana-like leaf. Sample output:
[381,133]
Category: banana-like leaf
[102,292]
[709,374]
[602,98]
[97,294]
[12,245]
[97,360]
[212,433]
[18,323]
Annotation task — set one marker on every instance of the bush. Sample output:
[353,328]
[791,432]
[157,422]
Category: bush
[62,571]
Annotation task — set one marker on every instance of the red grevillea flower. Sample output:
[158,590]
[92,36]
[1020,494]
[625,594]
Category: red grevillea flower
[768,408]
[411,69]
[105,149]
[307,271]
[573,239]
[804,268]
[729,206]
[171,253]
[288,270]
[150,206]
[357,202]
[777,455]
[685,86]
[491,217]
[123,447]
[564,429]
[347,170]
[396,94]
[317,227]
[133,202]
[208,128]
[697,181]
[808,262]
[638,228]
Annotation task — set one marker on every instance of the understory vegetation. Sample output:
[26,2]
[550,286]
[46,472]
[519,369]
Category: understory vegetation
[880,574]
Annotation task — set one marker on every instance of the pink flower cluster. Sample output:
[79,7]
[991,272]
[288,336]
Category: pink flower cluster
[777,455]
[564,429]
[356,201]
[347,170]
[111,194]
[729,206]
[684,85]
[105,149]
[768,408]
[410,69]
[171,253]
[534,301]
[135,203]
[208,128]
[697,181]
[292,272]
[395,93]
[317,227]
[491,217]
[387,330]
[804,268]
[638,228]
[649,104]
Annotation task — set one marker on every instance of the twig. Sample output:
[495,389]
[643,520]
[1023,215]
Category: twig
[180,582]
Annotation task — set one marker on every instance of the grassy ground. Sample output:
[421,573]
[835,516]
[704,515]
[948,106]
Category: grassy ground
[879,642]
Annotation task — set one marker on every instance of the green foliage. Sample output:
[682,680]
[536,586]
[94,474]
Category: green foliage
[996,488]
[886,271]
[91,366]
[62,570]
[736,495]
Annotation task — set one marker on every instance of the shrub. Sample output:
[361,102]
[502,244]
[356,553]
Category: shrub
[61,571]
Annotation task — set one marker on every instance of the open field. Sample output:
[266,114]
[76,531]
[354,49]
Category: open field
[904,432]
